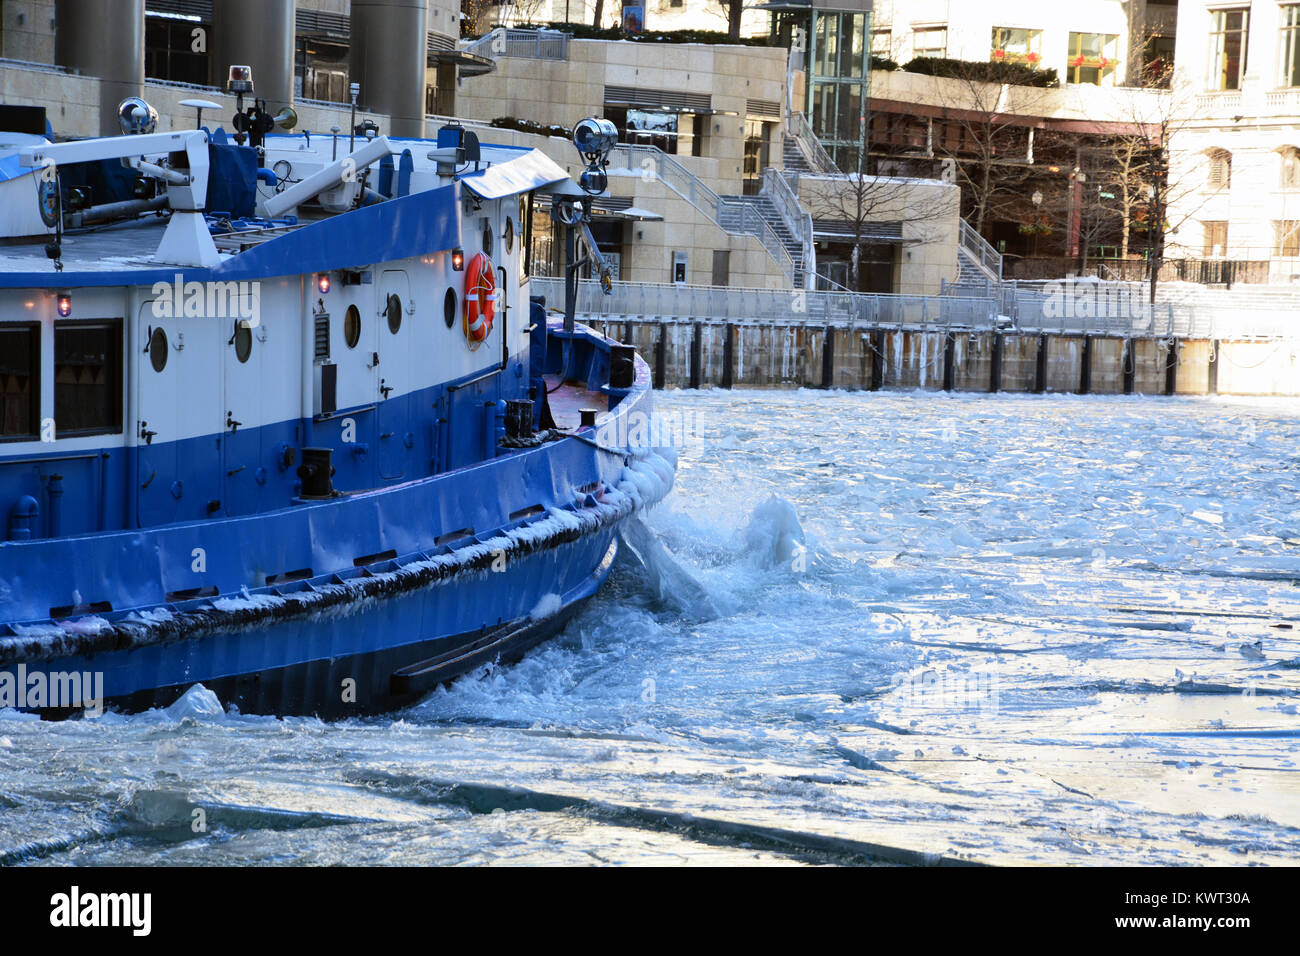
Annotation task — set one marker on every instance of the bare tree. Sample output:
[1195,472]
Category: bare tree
[734,10]
[1149,187]
[524,11]
[984,129]
[478,15]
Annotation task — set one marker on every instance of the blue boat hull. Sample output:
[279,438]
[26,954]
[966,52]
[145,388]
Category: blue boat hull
[366,601]
[341,680]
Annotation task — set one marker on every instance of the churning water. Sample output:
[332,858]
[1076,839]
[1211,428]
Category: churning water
[889,627]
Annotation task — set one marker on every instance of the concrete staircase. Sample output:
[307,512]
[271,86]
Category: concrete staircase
[792,157]
[766,208]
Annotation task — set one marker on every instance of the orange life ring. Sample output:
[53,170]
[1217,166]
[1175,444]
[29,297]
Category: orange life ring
[480,298]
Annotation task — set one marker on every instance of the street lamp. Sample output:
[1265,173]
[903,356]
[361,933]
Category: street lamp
[1037,199]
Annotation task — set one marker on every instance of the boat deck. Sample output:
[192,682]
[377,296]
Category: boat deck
[123,247]
[116,248]
[568,400]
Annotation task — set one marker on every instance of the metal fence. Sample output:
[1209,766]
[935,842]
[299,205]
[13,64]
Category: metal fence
[985,256]
[796,124]
[655,301]
[1015,308]
[533,44]
[797,219]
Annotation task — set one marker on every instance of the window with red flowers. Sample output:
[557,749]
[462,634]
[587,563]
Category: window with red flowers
[1014,45]
[1093,58]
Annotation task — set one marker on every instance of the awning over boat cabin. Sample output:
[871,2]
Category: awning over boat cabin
[532,170]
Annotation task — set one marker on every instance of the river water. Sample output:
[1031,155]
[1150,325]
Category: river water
[867,628]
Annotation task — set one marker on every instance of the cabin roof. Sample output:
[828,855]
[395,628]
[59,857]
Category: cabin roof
[419,224]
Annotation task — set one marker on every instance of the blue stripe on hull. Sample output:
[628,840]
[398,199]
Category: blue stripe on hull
[300,665]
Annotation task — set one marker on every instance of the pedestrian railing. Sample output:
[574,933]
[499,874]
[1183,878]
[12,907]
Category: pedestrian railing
[510,41]
[988,259]
[796,125]
[1012,310]
[797,219]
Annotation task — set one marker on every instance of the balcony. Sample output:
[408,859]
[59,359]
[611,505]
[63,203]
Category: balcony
[1219,104]
[1282,102]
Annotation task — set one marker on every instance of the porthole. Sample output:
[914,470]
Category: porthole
[394,311]
[510,235]
[449,308]
[158,350]
[243,341]
[352,326]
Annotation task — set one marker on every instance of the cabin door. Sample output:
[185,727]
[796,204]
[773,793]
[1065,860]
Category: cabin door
[243,347]
[159,427]
[396,341]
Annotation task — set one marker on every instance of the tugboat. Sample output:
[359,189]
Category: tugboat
[280,418]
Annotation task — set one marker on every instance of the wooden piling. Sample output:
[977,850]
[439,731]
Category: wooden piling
[1085,367]
[995,376]
[1128,359]
[949,369]
[1040,366]
[728,357]
[1171,367]
[697,355]
[828,359]
[661,356]
[877,359]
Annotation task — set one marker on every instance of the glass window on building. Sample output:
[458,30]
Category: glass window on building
[320,71]
[1013,45]
[1219,172]
[840,56]
[1228,31]
[1289,17]
[882,43]
[1093,58]
[1216,239]
[680,134]
[1290,168]
[930,41]
[839,42]
[1158,61]
[170,50]
[1288,238]
[758,153]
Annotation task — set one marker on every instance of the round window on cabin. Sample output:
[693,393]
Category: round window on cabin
[352,326]
[158,350]
[449,308]
[510,235]
[243,341]
[394,312]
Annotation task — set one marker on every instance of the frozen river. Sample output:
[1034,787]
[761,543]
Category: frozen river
[1045,629]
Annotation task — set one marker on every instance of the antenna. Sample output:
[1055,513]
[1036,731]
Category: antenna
[199,106]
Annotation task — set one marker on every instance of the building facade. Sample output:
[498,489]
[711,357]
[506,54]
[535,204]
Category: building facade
[699,193]
[1235,150]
